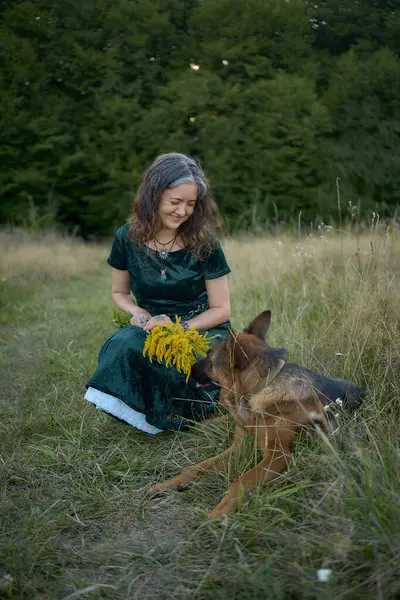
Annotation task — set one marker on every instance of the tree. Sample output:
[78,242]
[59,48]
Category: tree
[342,24]
[250,41]
[364,146]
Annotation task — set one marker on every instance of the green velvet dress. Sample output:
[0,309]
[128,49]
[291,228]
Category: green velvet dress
[173,286]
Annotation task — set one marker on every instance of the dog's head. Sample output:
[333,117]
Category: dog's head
[240,360]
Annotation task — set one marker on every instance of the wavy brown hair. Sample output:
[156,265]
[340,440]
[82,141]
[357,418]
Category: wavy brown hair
[199,232]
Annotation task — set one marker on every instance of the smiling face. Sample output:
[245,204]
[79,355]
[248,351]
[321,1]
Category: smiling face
[177,205]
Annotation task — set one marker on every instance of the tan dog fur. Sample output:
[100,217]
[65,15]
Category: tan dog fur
[272,410]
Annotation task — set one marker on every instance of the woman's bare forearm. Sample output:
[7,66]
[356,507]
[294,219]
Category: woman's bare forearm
[124,302]
[210,318]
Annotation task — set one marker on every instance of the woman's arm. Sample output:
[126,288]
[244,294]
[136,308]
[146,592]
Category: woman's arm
[220,307]
[121,295]
[219,311]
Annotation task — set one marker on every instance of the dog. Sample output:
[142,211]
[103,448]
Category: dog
[269,399]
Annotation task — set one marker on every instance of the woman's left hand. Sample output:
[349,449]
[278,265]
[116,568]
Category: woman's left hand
[162,320]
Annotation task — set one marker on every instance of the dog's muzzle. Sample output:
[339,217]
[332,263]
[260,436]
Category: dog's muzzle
[199,373]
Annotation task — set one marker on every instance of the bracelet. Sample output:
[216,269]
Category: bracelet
[185,325]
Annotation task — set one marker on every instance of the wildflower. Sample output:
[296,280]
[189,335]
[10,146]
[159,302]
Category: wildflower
[176,346]
[352,210]
[323,575]
[6,583]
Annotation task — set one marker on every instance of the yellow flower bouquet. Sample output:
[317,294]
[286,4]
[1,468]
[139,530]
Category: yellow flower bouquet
[176,346]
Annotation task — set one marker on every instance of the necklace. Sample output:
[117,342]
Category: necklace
[164,253]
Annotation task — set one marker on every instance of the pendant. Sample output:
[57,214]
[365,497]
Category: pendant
[163,275]
[163,254]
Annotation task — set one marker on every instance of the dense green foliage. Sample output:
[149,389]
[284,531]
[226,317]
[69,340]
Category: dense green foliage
[277,99]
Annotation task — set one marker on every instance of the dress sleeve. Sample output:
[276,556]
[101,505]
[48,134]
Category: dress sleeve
[215,264]
[117,258]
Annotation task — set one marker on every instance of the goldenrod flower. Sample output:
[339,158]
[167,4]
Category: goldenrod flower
[176,346]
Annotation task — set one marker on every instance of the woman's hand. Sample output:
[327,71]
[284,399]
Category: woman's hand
[162,320]
[140,317]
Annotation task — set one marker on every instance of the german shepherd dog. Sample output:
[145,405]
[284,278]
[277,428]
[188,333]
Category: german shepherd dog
[269,399]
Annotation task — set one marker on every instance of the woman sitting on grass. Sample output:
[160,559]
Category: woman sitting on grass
[167,255]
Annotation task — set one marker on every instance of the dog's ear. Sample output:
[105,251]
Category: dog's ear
[243,351]
[260,325]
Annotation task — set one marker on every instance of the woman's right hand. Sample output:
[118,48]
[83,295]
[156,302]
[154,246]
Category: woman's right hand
[140,317]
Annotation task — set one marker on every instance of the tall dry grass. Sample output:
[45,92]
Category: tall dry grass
[334,298]
[46,256]
[77,521]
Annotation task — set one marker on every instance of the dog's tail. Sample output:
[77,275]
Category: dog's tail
[341,392]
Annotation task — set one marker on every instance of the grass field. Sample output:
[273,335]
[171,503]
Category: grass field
[76,519]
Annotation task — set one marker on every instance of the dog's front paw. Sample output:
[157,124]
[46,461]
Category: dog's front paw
[217,514]
[158,488]
[165,486]
[222,510]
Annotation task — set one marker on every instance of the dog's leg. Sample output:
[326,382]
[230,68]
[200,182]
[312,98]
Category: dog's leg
[195,471]
[276,458]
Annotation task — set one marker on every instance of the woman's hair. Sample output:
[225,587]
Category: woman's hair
[169,171]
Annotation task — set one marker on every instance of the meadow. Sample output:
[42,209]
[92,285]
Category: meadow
[77,521]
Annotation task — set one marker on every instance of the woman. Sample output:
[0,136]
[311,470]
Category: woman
[168,257]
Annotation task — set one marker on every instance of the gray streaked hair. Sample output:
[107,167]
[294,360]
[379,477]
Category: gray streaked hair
[168,171]
[171,170]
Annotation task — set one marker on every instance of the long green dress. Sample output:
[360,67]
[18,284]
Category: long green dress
[173,286]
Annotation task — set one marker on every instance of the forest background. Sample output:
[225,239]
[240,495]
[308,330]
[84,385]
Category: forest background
[293,109]
[280,100]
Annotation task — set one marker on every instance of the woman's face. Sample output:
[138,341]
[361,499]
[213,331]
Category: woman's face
[177,205]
